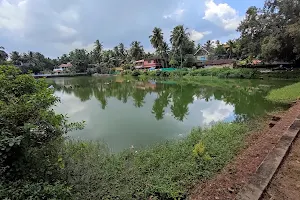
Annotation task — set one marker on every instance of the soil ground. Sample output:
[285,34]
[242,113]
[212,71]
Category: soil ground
[286,183]
[233,177]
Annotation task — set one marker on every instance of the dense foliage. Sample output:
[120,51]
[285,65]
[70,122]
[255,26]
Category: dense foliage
[31,137]
[225,72]
[3,55]
[273,32]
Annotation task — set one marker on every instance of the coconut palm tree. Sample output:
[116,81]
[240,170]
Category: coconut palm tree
[178,37]
[116,52]
[122,51]
[97,51]
[230,49]
[3,54]
[165,52]
[136,50]
[157,39]
[15,57]
[208,45]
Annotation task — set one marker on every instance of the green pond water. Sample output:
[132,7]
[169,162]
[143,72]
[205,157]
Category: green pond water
[125,113]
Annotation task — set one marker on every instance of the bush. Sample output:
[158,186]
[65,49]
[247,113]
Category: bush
[136,73]
[102,69]
[91,71]
[31,133]
[20,191]
[158,72]
[225,73]
[152,73]
[173,63]
[127,72]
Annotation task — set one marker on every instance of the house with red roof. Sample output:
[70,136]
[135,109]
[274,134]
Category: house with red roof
[62,68]
[153,63]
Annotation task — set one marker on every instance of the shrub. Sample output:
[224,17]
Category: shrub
[158,72]
[165,74]
[27,190]
[173,63]
[136,73]
[152,73]
[90,71]
[31,133]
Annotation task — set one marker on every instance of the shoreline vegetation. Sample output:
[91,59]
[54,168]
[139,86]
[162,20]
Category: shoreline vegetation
[226,72]
[163,171]
[70,169]
[77,169]
[38,162]
[287,94]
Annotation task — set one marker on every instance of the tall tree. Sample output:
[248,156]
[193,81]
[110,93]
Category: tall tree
[136,50]
[252,32]
[15,58]
[165,50]
[178,38]
[3,54]
[220,51]
[231,48]
[97,51]
[79,59]
[116,52]
[208,46]
[157,39]
[64,59]
[122,51]
[161,47]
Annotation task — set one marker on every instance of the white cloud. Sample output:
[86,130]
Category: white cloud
[74,45]
[177,14]
[12,16]
[62,25]
[196,36]
[218,113]
[70,15]
[65,31]
[222,14]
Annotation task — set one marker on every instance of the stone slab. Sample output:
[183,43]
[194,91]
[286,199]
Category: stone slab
[265,172]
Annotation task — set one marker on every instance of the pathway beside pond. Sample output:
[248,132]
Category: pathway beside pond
[237,173]
[286,183]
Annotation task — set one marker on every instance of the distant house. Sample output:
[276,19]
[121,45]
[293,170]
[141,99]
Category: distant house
[118,69]
[63,67]
[201,55]
[149,63]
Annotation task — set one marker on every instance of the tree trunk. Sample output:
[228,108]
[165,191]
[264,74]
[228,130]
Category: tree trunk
[163,63]
[181,57]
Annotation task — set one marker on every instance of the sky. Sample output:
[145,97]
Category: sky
[54,27]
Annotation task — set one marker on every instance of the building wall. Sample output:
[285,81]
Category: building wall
[202,58]
[152,63]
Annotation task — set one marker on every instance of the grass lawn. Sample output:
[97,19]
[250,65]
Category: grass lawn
[286,94]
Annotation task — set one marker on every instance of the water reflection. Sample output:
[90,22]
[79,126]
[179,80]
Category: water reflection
[247,98]
[140,113]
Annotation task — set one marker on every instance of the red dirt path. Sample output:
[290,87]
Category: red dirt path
[232,178]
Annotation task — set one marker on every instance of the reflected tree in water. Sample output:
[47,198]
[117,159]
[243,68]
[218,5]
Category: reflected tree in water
[246,96]
[161,102]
